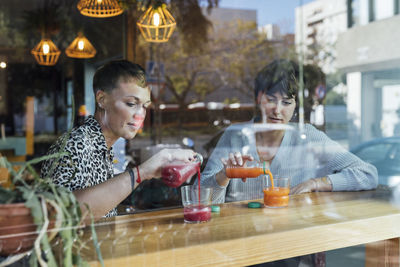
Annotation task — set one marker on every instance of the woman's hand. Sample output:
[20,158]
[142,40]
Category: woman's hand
[305,187]
[152,167]
[235,159]
[313,185]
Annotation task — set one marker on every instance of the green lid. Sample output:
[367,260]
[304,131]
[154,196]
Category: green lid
[215,208]
[254,205]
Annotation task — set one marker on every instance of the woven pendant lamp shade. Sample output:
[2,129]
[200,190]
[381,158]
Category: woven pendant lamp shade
[99,8]
[46,52]
[157,24]
[80,48]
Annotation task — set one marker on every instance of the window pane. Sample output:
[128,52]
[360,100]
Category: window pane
[360,12]
[383,9]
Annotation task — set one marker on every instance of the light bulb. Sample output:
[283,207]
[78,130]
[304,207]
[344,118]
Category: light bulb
[46,48]
[3,65]
[156,19]
[81,45]
[99,1]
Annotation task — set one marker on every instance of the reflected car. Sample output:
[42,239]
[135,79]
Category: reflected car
[384,154]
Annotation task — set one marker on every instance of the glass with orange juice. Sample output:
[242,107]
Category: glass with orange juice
[276,191]
[276,194]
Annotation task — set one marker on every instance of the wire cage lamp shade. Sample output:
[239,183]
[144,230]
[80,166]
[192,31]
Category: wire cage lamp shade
[46,52]
[157,24]
[99,8]
[80,48]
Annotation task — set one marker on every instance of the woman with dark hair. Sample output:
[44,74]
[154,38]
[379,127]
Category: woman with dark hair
[311,160]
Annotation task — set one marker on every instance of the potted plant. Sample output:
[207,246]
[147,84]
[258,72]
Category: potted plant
[33,211]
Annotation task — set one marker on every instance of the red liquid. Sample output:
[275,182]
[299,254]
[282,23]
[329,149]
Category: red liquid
[198,181]
[197,213]
[173,175]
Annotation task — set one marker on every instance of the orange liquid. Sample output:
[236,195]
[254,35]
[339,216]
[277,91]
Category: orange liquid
[248,172]
[276,197]
[271,179]
[244,172]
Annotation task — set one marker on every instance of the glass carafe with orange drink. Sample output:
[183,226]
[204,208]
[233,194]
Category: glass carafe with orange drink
[252,169]
[276,191]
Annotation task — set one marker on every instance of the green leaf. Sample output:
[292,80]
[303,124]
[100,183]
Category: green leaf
[95,242]
[33,203]
[65,197]
[33,259]
[7,196]
[51,261]
[78,261]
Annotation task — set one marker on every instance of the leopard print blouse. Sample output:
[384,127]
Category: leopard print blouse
[88,162]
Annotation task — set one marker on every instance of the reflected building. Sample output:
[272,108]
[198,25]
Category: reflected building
[272,31]
[318,25]
[371,62]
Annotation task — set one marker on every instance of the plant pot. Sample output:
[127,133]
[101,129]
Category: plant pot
[17,230]
[3,175]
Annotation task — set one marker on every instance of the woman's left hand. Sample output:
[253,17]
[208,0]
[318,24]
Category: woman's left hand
[322,184]
[306,187]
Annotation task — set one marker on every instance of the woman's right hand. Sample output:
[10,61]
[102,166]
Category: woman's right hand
[236,159]
[152,167]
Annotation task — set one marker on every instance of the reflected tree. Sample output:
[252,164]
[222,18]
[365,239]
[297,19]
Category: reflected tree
[232,56]
[242,51]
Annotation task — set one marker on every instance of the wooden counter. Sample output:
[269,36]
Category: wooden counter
[240,236]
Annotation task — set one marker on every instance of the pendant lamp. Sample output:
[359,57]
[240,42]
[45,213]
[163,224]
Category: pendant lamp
[46,52]
[80,48]
[157,24]
[99,8]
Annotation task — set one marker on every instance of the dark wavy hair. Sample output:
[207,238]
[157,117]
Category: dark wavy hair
[278,76]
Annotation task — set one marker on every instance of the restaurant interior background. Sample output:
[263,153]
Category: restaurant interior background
[202,77]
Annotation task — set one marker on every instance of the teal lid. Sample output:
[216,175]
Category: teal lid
[215,208]
[254,205]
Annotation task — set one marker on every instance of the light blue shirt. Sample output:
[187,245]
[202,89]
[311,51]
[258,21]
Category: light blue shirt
[297,158]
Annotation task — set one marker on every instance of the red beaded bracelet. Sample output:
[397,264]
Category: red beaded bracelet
[138,180]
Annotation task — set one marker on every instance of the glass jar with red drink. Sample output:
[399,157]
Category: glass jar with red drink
[176,173]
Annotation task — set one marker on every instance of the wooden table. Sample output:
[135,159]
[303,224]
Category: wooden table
[239,236]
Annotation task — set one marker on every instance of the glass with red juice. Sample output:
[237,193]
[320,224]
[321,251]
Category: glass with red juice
[196,205]
[176,173]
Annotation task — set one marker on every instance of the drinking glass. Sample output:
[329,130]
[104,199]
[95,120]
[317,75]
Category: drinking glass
[276,196]
[196,204]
